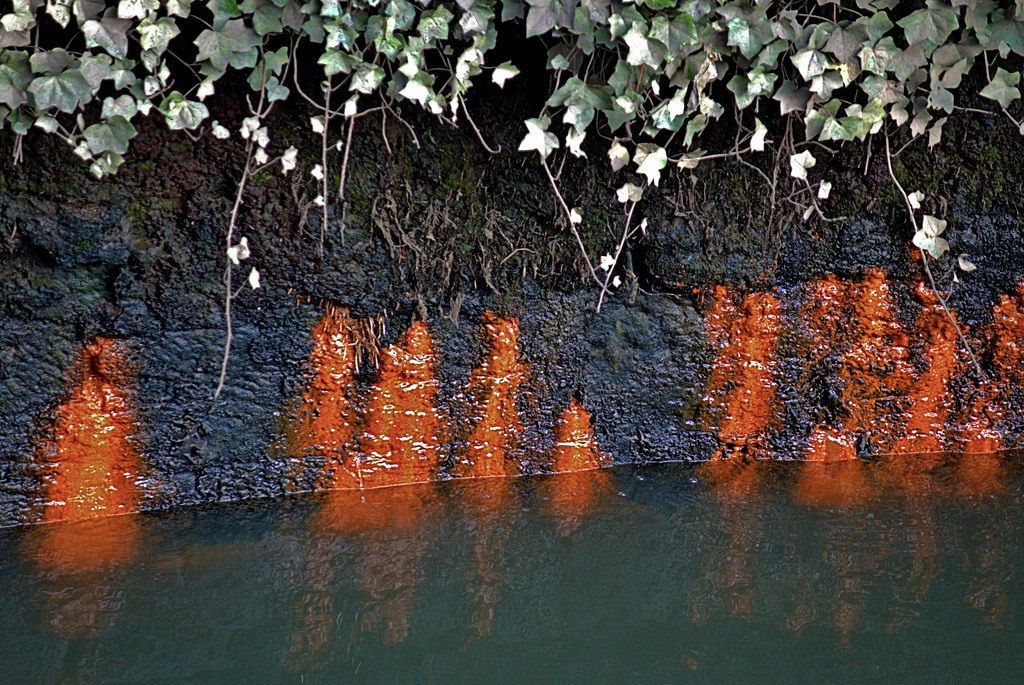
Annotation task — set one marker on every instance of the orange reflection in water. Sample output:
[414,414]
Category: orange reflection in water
[388,523]
[323,422]
[832,476]
[494,385]
[488,504]
[399,443]
[579,461]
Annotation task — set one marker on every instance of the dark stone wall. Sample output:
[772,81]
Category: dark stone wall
[437,228]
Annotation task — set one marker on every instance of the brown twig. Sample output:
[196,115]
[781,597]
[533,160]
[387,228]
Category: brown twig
[927,269]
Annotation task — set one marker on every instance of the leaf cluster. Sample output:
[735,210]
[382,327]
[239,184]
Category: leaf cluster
[648,75]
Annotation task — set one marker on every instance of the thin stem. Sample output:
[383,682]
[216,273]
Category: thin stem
[227,273]
[572,226]
[480,137]
[927,269]
[323,163]
[627,233]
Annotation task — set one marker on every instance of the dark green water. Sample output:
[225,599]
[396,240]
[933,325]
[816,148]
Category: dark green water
[642,575]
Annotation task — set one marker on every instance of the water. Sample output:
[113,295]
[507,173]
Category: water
[638,575]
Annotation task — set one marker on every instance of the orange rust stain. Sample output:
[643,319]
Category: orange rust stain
[576,448]
[495,384]
[980,433]
[399,442]
[832,476]
[929,396]
[323,423]
[823,314]
[741,389]
[875,369]
[579,460]
[94,461]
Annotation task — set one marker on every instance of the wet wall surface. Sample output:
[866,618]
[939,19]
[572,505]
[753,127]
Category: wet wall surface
[369,365]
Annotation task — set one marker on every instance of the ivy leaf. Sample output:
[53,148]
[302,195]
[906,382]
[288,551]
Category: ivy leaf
[618,155]
[223,10]
[106,165]
[155,34]
[650,160]
[60,13]
[335,61]
[545,15]
[643,50]
[109,33]
[809,62]
[745,37]
[433,25]
[931,24]
[220,46]
[12,87]
[136,9]
[503,72]
[1002,88]
[816,120]
[96,69]
[800,163]
[875,26]
[747,87]
[791,98]
[51,62]
[110,136]
[87,9]
[845,43]
[64,91]
[538,138]
[181,113]
[927,237]
[965,264]
[878,59]
[366,78]
[906,62]
[935,132]
[123,106]
[179,8]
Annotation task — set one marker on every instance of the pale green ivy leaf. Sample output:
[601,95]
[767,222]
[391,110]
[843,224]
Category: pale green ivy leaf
[650,160]
[181,113]
[1002,88]
[64,91]
[155,34]
[537,137]
[110,34]
[503,72]
[111,135]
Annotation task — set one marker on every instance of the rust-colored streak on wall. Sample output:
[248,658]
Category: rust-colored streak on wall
[579,460]
[399,443]
[875,369]
[323,422]
[929,396]
[94,462]
[741,390]
[494,386]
